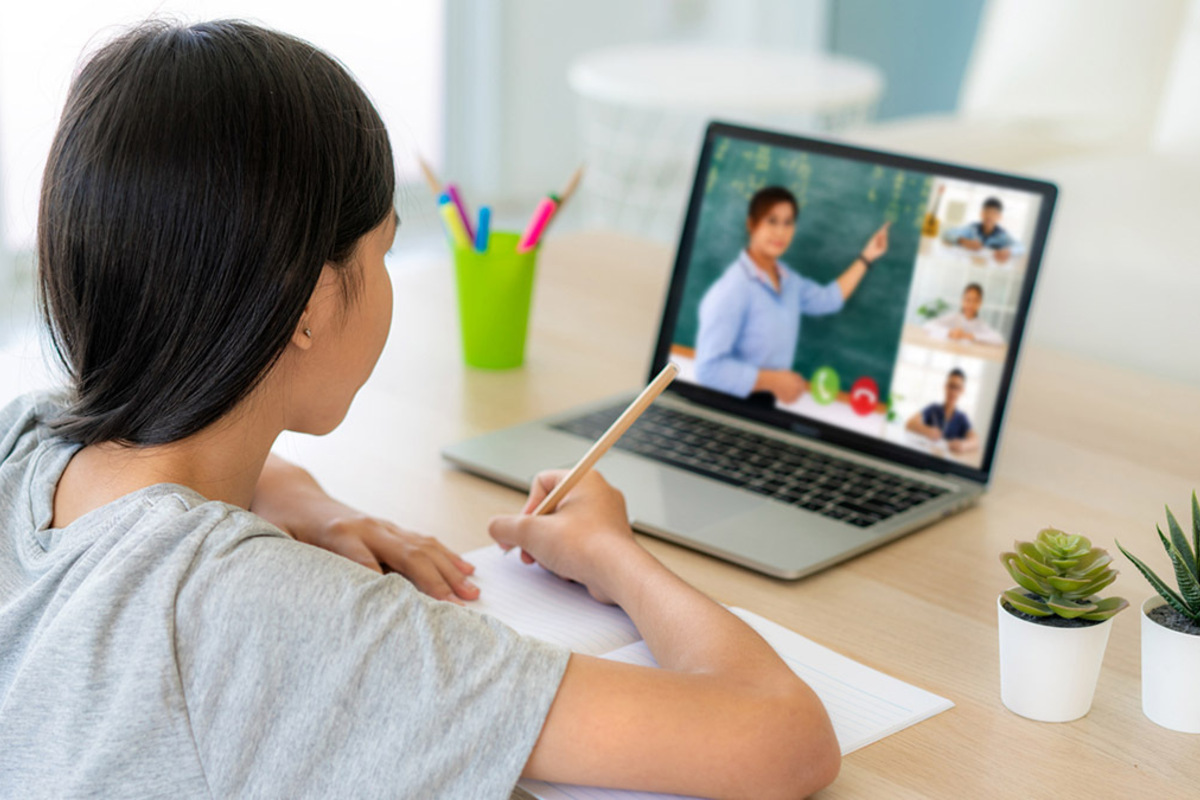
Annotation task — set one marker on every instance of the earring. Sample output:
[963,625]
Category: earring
[308,332]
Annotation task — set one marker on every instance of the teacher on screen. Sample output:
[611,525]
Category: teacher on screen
[750,318]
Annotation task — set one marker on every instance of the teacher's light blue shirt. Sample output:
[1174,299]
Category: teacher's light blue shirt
[745,325]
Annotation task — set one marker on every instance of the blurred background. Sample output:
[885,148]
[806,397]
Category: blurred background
[507,98]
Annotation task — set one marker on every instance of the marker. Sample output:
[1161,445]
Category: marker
[453,222]
[456,198]
[537,224]
[481,231]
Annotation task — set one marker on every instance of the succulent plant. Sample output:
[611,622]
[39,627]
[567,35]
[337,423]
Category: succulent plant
[1065,572]
[1184,558]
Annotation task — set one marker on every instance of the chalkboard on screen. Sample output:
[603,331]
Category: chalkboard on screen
[842,202]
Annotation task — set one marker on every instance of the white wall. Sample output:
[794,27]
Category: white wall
[525,109]
[395,49]
[1178,128]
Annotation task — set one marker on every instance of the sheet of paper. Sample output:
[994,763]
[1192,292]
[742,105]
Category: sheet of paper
[536,603]
[865,705]
[565,791]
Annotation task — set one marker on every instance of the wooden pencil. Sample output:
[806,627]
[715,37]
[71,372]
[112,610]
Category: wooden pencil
[570,188]
[435,186]
[610,437]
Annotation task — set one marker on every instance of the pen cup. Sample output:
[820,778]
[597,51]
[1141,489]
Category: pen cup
[494,292]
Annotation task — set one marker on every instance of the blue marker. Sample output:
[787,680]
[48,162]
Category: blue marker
[481,232]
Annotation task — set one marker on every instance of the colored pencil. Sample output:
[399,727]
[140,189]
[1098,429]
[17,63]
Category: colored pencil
[430,178]
[570,188]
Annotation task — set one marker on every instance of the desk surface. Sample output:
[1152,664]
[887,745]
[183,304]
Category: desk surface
[1088,448]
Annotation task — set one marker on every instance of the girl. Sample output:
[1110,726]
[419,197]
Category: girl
[750,318]
[213,223]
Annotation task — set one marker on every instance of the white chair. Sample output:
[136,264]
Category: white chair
[642,110]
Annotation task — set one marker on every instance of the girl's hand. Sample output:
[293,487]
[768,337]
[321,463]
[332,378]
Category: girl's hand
[582,540]
[384,546]
[289,498]
[877,246]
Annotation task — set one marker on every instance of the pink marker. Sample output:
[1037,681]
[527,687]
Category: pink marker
[537,224]
[456,198]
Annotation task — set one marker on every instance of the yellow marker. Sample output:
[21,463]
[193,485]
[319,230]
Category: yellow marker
[453,223]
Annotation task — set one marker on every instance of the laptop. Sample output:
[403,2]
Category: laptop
[846,323]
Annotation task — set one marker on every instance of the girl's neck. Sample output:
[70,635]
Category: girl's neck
[221,462]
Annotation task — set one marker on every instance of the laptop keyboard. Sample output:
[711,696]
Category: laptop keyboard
[833,487]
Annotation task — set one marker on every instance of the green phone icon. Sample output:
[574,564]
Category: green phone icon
[825,385]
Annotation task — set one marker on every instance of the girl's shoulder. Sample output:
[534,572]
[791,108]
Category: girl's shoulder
[25,421]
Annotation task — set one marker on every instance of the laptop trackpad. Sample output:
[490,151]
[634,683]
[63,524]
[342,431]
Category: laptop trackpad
[671,499]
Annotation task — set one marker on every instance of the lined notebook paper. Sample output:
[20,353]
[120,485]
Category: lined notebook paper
[536,603]
[864,704]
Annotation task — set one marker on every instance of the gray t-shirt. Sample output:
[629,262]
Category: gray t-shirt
[167,645]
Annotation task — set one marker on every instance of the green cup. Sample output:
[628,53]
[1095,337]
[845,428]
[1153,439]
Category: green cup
[494,291]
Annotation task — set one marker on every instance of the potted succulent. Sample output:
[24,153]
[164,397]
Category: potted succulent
[1171,632]
[1053,627]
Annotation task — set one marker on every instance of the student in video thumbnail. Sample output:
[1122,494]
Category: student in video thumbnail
[944,422]
[750,318]
[987,233]
[965,324]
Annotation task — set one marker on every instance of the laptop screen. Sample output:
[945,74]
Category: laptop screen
[865,293]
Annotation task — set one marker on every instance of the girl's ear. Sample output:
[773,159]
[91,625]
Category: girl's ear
[317,311]
[302,337]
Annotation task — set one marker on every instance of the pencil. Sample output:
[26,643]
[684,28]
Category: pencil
[426,170]
[570,188]
[610,437]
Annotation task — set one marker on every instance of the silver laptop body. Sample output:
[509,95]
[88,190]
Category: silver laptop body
[777,536]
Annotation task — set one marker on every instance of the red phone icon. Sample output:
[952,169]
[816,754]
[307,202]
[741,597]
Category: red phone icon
[864,396]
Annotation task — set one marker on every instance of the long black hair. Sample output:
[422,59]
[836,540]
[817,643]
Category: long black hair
[200,178]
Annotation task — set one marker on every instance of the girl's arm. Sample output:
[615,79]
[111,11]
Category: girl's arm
[291,499]
[723,717]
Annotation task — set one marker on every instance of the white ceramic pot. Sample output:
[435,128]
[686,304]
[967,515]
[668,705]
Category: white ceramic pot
[1170,674]
[1049,674]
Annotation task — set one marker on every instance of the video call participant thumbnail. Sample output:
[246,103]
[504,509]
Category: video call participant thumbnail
[944,422]
[965,324]
[750,318]
[987,233]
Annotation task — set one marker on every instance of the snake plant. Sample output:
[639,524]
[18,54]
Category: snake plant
[1065,572]
[1184,558]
